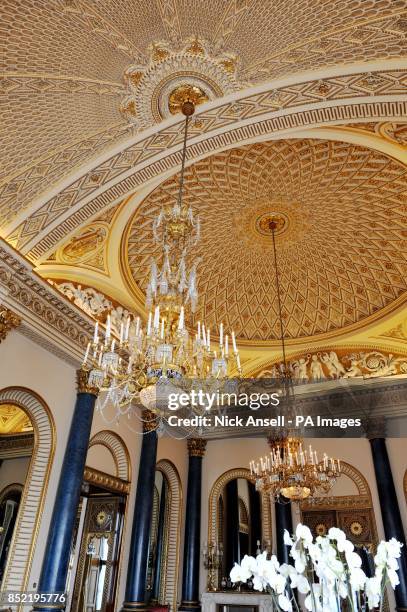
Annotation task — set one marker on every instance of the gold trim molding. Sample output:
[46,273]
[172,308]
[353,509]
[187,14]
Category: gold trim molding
[213,511]
[118,449]
[106,481]
[171,567]
[20,557]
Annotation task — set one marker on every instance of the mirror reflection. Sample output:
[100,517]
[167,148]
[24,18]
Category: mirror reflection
[240,526]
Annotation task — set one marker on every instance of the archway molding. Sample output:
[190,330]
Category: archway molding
[169,586]
[16,575]
[118,450]
[216,490]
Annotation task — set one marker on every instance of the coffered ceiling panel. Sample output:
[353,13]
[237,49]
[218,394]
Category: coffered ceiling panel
[341,241]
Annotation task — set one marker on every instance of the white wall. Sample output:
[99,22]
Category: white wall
[13,471]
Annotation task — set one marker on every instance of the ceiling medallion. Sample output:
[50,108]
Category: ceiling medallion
[152,89]
[185,92]
[264,223]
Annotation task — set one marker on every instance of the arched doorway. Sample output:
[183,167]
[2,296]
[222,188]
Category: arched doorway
[97,545]
[27,520]
[216,516]
[165,534]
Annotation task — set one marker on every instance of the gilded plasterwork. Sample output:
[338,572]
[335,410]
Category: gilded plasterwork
[61,81]
[342,254]
[13,420]
[346,97]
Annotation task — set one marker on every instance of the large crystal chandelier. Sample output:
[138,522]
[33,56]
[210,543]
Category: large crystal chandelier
[291,472]
[128,365]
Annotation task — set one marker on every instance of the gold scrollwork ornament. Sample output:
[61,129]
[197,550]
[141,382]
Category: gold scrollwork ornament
[82,378]
[8,321]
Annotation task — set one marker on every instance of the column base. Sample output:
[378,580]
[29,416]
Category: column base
[131,606]
[190,606]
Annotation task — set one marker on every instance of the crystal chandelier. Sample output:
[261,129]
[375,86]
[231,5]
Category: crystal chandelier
[127,366]
[291,472]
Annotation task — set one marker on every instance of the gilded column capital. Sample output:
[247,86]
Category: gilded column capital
[375,428]
[196,447]
[82,380]
[149,421]
[8,321]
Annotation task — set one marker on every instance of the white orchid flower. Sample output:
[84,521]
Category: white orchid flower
[239,574]
[284,603]
[373,591]
[288,541]
[337,534]
[249,564]
[357,578]
[304,533]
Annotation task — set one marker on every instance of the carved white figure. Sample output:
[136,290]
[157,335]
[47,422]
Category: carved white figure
[295,368]
[317,372]
[330,366]
[338,365]
[354,370]
[89,300]
[302,368]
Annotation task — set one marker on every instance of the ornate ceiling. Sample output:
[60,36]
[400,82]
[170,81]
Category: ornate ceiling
[305,120]
[341,237]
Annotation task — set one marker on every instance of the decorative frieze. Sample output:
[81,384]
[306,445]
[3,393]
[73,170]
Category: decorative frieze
[46,316]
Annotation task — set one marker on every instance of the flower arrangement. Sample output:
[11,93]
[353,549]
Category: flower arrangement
[327,573]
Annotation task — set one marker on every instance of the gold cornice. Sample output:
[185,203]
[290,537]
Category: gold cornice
[106,481]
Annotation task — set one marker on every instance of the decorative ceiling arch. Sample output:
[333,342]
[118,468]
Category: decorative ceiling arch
[357,93]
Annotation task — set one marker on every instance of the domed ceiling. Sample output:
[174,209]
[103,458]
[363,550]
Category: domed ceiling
[79,77]
[341,238]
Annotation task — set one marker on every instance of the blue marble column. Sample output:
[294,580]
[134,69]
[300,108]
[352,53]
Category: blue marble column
[192,538]
[393,526]
[58,548]
[135,597]
[283,521]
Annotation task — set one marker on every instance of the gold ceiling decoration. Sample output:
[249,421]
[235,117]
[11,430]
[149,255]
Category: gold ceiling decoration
[156,89]
[185,92]
[13,420]
[61,78]
[343,254]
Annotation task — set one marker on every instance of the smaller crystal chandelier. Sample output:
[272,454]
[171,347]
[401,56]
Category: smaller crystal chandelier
[128,367]
[291,472]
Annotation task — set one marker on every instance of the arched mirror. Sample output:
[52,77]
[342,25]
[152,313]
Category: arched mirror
[16,447]
[240,522]
[158,541]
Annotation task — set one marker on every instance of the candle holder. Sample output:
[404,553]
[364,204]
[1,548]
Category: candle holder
[212,558]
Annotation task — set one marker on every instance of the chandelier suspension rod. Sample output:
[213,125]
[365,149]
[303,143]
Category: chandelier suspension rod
[184,155]
[280,310]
